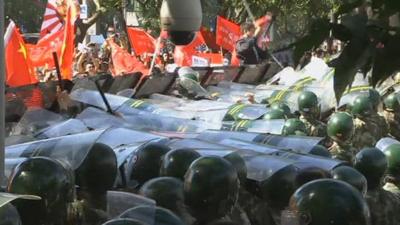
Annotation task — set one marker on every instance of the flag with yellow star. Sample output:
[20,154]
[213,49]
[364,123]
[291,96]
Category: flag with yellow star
[19,71]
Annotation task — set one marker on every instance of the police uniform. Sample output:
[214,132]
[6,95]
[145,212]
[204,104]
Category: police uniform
[314,127]
[384,207]
[257,210]
[344,152]
[393,120]
[365,133]
[382,125]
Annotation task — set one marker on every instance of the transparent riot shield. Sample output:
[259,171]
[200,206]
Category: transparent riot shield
[216,135]
[118,202]
[350,95]
[384,143]
[6,198]
[305,160]
[71,126]
[317,68]
[18,139]
[152,215]
[266,126]
[246,145]
[98,119]
[93,98]
[34,120]
[298,143]
[195,144]
[72,148]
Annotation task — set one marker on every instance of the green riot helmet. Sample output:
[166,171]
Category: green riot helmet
[392,103]
[152,215]
[98,171]
[211,188]
[308,103]
[320,150]
[309,174]
[393,158]
[166,191]
[240,165]
[147,162]
[176,162]
[375,98]
[274,114]
[124,221]
[352,177]
[372,163]
[340,127]
[294,127]
[326,201]
[188,73]
[362,107]
[284,107]
[48,179]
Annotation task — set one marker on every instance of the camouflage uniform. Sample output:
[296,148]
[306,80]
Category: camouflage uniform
[393,120]
[382,125]
[257,210]
[393,188]
[384,207]
[314,127]
[365,133]
[344,152]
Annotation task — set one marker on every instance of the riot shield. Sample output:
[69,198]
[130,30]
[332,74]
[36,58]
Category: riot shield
[104,80]
[72,148]
[93,98]
[286,76]
[317,68]
[384,143]
[98,119]
[252,74]
[18,139]
[272,178]
[128,93]
[8,214]
[34,120]
[71,126]
[350,95]
[154,84]
[266,126]
[302,161]
[79,151]
[152,215]
[216,136]
[118,202]
[124,82]
[195,144]
[246,145]
[299,143]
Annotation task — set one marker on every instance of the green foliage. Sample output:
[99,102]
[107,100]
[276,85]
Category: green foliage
[27,14]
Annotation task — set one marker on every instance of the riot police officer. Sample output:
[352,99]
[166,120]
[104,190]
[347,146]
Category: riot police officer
[392,179]
[309,114]
[384,205]
[392,114]
[294,127]
[365,130]
[340,130]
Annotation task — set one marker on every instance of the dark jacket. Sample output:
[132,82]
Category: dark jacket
[248,51]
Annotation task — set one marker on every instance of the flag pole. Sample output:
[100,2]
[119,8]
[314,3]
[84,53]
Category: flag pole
[2,92]
[153,60]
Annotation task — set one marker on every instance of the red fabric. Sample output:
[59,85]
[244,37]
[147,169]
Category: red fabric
[235,60]
[227,33]
[141,41]
[213,58]
[41,53]
[123,62]
[183,53]
[19,71]
[68,47]
[264,23]
[209,38]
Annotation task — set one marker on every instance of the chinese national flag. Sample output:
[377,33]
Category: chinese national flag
[41,53]
[227,33]
[141,41]
[183,53]
[125,63]
[19,71]
[68,47]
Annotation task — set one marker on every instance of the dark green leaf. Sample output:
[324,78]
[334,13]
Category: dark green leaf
[387,60]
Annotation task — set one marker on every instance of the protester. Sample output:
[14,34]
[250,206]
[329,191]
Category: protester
[247,48]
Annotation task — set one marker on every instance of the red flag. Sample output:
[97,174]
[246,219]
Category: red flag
[209,38]
[141,41]
[41,53]
[234,59]
[264,22]
[68,47]
[19,70]
[183,53]
[227,33]
[123,62]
